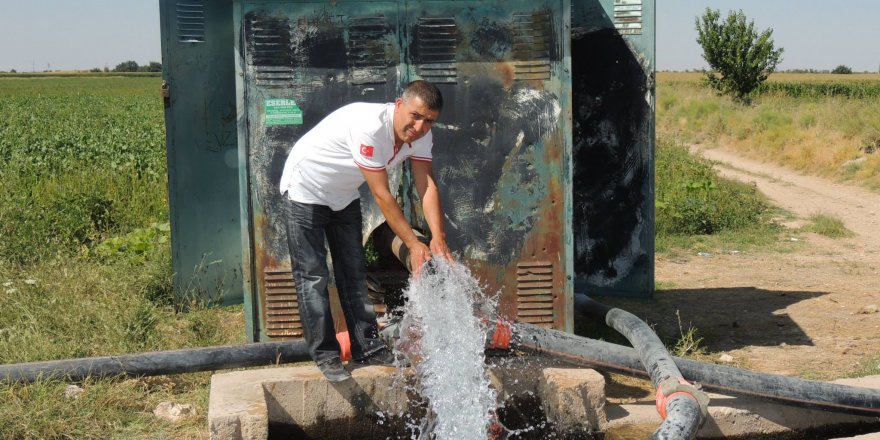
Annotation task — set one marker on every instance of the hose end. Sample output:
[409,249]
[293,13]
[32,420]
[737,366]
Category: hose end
[673,387]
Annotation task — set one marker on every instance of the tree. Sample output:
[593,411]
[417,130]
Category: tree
[841,69]
[735,50]
[154,66]
[126,66]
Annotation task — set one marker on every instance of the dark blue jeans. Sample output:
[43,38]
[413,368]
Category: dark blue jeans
[307,227]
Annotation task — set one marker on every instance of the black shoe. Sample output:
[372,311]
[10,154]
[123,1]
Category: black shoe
[334,371]
[381,357]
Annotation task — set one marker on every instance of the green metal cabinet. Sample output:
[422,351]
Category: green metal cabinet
[544,151]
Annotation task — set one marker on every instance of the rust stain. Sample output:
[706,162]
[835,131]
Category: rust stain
[506,73]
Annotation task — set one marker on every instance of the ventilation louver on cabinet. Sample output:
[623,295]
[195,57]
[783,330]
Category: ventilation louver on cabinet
[367,62]
[270,55]
[190,21]
[436,39]
[531,46]
[534,292]
[628,16]
[282,310]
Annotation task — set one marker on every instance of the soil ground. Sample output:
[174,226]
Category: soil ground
[810,312]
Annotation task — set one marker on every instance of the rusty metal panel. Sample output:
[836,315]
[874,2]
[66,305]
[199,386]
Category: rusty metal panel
[502,143]
[313,56]
[502,146]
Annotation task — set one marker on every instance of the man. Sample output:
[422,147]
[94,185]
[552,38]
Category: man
[354,144]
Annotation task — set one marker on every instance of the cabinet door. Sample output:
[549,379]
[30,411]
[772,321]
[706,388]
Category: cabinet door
[200,121]
[301,61]
[502,143]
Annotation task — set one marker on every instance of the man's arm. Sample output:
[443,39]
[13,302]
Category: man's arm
[429,194]
[378,183]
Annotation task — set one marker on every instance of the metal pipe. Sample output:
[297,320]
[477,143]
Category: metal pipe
[718,378]
[689,402]
[159,362]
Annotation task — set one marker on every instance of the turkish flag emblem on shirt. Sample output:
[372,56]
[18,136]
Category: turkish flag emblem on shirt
[366,150]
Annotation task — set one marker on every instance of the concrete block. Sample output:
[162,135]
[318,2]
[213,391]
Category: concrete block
[298,402]
[516,376]
[324,410]
[237,408]
[573,399]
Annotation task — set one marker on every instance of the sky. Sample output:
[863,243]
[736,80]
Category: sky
[82,34]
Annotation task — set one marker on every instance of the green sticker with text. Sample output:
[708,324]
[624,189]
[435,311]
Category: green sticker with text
[280,111]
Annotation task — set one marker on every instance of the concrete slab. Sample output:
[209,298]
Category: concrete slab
[298,401]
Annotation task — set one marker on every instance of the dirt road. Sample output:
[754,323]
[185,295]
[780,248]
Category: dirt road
[811,312]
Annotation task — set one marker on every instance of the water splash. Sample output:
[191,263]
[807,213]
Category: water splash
[443,336]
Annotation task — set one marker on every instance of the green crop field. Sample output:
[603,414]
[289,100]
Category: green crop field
[85,262]
[55,123]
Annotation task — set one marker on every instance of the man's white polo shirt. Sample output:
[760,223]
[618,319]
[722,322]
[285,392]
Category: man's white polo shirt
[324,166]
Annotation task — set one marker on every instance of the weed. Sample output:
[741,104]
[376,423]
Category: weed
[692,199]
[827,225]
[689,342]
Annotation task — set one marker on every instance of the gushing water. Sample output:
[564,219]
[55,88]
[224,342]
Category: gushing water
[443,336]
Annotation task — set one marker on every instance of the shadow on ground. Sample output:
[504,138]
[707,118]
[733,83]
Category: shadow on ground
[726,318]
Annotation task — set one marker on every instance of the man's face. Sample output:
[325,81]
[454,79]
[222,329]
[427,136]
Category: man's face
[412,119]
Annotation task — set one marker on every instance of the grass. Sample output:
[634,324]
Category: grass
[110,408]
[827,225]
[866,367]
[835,135]
[85,260]
[698,211]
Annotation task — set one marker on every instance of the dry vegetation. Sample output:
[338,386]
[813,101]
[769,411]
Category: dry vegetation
[832,130]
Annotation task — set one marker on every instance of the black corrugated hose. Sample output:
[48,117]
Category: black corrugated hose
[682,405]
[154,363]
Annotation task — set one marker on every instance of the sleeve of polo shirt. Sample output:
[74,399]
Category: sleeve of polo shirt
[423,148]
[366,152]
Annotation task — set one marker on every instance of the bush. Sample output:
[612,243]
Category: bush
[841,69]
[733,48]
[691,199]
[154,66]
[126,66]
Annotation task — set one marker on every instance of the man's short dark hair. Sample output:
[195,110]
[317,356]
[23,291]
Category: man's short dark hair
[427,92]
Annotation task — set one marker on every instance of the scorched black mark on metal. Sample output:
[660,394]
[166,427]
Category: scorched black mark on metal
[498,130]
[610,155]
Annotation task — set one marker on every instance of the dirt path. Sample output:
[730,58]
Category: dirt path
[810,312]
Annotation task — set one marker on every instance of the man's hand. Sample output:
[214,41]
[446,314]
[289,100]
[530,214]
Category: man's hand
[439,248]
[418,255]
